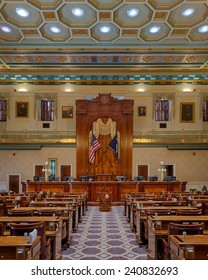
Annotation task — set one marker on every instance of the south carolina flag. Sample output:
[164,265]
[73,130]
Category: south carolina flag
[94,146]
[113,145]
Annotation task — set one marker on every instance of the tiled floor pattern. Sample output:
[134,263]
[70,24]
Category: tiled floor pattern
[104,236]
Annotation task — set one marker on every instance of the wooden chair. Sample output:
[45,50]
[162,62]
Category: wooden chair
[2,207]
[191,212]
[53,212]
[154,212]
[19,213]
[19,229]
[1,229]
[178,229]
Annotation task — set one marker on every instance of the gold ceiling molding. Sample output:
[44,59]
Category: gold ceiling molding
[109,70]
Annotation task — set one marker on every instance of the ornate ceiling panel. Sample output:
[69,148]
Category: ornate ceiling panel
[123,34]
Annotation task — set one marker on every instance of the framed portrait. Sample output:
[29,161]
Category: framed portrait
[22,109]
[187,112]
[67,112]
[142,111]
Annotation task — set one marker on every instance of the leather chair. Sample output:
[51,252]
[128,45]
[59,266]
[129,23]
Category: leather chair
[191,212]
[19,229]
[19,213]
[178,229]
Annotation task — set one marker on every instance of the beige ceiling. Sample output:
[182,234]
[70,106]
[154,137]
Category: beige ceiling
[129,45]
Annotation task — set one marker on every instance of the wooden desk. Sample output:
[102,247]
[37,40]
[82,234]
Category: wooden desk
[18,248]
[73,206]
[136,205]
[55,234]
[158,229]
[67,216]
[93,188]
[141,217]
[194,247]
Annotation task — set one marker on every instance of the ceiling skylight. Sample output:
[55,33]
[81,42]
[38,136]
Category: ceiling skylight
[188,12]
[105,28]
[203,29]
[154,29]
[55,29]
[132,12]
[6,29]
[22,12]
[78,12]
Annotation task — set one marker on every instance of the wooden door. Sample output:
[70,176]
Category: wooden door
[38,171]
[169,170]
[65,171]
[143,171]
[14,183]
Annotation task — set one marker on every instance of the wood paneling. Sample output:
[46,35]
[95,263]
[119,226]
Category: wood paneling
[104,106]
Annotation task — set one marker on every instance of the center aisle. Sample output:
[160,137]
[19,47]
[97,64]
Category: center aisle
[104,236]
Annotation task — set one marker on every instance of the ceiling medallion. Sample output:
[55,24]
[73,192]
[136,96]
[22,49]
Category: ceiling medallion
[40,59]
[83,59]
[147,58]
[104,59]
[62,59]
[191,58]
[169,59]
[19,58]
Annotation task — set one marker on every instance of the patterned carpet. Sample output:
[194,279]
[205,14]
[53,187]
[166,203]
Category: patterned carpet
[104,236]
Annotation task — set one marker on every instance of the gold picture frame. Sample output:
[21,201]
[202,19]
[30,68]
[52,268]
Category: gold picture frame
[187,112]
[67,112]
[22,109]
[142,110]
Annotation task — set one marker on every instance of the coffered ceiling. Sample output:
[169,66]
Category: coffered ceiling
[103,40]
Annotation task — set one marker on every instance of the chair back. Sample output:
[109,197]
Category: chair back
[49,212]
[191,212]
[178,229]
[1,229]
[159,212]
[20,228]
[19,213]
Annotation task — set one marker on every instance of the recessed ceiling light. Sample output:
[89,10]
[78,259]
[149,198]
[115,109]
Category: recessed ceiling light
[78,12]
[188,12]
[105,28]
[132,12]
[22,12]
[154,29]
[203,29]
[6,29]
[55,29]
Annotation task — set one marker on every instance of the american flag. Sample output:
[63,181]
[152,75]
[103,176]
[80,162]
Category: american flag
[94,146]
